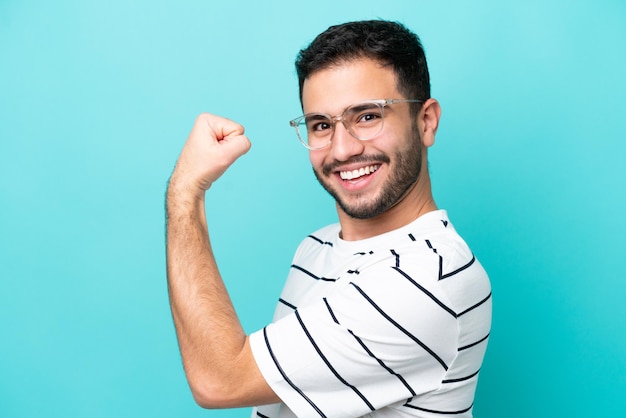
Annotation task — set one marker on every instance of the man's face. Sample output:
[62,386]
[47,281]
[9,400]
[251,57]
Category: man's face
[366,178]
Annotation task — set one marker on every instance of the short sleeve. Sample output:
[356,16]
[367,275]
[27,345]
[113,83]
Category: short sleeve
[379,338]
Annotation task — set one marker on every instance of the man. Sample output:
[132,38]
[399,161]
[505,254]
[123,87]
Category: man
[386,313]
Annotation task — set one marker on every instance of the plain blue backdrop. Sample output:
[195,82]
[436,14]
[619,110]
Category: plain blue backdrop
[96,101]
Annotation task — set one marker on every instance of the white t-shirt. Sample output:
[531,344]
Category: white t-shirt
[391,326]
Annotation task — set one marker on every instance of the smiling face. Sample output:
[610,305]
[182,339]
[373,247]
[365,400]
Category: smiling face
[366,178]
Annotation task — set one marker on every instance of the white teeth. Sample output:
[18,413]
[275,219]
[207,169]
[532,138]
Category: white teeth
[351,175]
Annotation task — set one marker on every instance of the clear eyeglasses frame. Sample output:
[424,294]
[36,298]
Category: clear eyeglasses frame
[364,121]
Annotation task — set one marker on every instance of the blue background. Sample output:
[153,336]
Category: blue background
[97,98]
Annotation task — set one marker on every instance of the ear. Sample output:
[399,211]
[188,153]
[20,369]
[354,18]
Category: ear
[428,121]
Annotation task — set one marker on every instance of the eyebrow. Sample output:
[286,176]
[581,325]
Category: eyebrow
[315,116]
[363,106]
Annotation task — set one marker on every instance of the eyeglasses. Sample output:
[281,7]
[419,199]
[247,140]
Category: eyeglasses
[363,121]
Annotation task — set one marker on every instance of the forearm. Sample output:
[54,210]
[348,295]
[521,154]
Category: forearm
[210,335]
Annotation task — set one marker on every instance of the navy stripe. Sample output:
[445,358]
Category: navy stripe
[382,364]
[439,412]
[473,344]
[305,271]
[284,375]
[445,276]
[440,274]
[320,241]
[284,302]
[332,314]
[407,333]
[430,295]
[477,305]
[460,269]
[258,414]
[332,369]
[397,257]
[369,352]
[461,379]
[430,246]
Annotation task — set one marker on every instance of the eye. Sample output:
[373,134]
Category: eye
[318,124]
[321,126]
[364,114]
[369,117]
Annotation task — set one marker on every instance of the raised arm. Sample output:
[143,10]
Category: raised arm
[216,354]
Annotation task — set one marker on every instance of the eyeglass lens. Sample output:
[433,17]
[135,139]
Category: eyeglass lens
[363,121]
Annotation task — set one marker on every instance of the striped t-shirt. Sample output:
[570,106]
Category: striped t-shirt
[391,326]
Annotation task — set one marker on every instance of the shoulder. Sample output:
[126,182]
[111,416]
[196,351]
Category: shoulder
[435,235]
[431,256]
[323,239]
[325,235]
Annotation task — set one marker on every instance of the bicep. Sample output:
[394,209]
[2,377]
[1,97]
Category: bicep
[359,349]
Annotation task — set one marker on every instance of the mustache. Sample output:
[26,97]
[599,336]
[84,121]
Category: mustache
[328,169]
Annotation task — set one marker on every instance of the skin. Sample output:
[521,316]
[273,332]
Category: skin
[216,353]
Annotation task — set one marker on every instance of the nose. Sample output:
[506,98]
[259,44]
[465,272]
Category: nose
[343,144]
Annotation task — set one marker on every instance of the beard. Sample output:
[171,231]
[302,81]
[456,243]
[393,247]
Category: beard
[404,174]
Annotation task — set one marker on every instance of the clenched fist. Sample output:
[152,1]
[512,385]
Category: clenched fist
[213,145]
